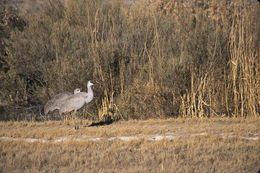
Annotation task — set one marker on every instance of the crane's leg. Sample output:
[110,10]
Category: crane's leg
[77,123]
[62,118]
[76,120]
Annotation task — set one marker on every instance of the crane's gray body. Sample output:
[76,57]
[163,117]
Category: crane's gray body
[77,101]
[57,100]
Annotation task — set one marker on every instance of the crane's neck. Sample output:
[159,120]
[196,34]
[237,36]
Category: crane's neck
[90,95]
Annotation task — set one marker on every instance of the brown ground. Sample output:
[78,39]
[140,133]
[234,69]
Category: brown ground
[201,145]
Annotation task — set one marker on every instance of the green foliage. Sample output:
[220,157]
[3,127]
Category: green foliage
[152,59]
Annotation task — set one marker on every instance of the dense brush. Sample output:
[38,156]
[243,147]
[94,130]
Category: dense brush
[150,58]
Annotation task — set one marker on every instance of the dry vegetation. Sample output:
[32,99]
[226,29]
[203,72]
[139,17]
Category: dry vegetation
[208,153]
[192,60]
[149,59]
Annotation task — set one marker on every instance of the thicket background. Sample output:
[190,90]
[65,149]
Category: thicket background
[148,59]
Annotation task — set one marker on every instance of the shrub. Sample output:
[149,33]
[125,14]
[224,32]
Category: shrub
[149,59]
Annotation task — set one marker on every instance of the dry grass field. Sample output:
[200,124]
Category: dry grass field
[170,145]
[179,78]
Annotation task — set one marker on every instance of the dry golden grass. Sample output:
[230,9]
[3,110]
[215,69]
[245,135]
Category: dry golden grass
[187,153]
[148,59]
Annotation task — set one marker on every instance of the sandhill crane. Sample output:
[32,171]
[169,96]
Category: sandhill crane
[77,101]
[57,100]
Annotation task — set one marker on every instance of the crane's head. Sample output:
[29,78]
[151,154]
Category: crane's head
[77,90]
[90,83]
